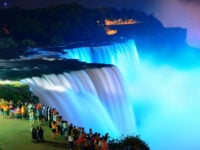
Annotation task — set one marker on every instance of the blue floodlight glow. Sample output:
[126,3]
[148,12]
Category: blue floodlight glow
[5,4]
[158,101]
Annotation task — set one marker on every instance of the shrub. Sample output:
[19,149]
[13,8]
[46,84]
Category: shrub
[128,143]
[16,91]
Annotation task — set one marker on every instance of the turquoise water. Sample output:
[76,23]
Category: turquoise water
[158,101]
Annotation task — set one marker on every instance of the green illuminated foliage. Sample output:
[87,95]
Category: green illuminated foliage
[16,91]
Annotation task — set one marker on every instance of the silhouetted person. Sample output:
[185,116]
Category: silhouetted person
[34,134]
[40,134]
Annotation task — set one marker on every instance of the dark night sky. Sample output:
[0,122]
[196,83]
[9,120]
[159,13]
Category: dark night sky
[182,13]
[90,3]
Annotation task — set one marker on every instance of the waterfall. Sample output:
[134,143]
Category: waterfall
[95,97]
[124,55]
[118,54]
[157,100]
[92,98]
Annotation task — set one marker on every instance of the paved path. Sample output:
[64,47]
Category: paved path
[16,135]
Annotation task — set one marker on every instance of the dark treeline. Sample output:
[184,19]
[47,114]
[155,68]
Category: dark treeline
[60,24]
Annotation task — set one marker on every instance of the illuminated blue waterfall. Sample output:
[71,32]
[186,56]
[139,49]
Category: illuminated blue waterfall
[136,95]
[117,54]
[123,55]
[93,98]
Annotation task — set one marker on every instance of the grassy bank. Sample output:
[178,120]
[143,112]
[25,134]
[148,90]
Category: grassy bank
[16,135]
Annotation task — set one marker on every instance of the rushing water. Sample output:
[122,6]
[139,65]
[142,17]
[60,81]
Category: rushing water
[92,98]
[160,102]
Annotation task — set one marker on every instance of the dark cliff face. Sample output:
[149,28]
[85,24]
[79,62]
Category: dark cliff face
[67,23]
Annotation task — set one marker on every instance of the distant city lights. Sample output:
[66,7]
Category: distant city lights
[109,22]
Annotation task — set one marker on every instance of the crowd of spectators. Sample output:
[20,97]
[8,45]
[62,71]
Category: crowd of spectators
[39,114]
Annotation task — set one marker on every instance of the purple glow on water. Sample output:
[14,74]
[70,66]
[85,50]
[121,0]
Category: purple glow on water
[92,98]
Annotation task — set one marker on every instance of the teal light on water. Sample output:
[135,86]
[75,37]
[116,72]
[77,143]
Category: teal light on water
[91,98]
[164,94]
[158,101]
